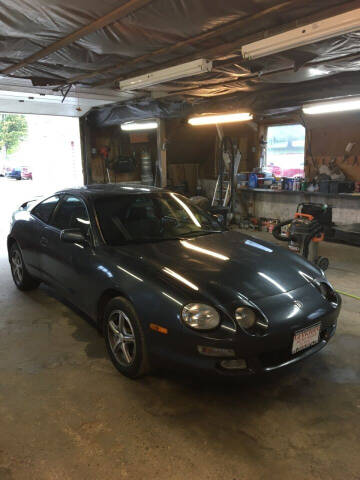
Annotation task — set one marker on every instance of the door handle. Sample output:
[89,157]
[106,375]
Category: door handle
[44,241]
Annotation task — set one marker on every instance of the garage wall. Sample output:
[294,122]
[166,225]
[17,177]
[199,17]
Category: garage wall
[199,146]
[187,152]
[192,152]
[328,136]
[194,149]
[119,143]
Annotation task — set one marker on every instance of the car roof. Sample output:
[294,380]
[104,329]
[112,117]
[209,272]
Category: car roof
[110,189]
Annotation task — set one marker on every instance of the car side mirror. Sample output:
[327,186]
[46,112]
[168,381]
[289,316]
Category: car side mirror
[73,235]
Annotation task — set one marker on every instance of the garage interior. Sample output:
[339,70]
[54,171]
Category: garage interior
[65,411]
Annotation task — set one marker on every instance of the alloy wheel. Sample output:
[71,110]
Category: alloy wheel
[121,337]
[17,267]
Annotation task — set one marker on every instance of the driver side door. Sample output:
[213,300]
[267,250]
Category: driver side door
[61,260]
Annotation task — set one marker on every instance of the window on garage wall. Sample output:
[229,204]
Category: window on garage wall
[285,150]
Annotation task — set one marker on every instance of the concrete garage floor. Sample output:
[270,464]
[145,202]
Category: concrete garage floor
[65,413]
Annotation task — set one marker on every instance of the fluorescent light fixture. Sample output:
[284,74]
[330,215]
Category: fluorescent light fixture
[216,119]
[188,69]
[130,126]
[311,33]
[343,105]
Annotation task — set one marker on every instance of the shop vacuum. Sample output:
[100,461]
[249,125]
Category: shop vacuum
[306,230]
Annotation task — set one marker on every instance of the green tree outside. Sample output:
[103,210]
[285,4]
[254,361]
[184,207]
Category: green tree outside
[13,130]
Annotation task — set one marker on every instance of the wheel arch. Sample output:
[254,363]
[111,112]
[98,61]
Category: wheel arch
[104,299]
[10,242]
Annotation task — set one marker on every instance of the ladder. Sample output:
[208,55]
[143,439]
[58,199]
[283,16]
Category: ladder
[219,199]
[223,186]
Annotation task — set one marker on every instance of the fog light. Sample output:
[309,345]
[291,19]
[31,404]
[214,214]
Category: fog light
[215,352]
[235,364]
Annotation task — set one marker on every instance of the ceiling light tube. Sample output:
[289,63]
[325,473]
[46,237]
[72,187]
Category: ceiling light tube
[335,106]
[217,119]
[188,69]
[311,33]
[130,126]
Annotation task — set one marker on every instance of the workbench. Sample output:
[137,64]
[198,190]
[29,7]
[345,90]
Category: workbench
[281,204]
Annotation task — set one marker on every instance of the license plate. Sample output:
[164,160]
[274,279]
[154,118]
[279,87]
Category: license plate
[305,338]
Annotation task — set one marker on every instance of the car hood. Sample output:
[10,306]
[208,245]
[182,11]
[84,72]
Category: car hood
[225,265]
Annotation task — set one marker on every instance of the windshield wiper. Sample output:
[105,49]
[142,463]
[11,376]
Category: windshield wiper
[166,239]
[149,240]
[200,233]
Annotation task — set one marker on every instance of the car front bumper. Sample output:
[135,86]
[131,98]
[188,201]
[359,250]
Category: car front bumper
[261,354]
[259,363]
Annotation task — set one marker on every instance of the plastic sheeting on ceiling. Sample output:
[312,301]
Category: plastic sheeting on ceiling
[26,26]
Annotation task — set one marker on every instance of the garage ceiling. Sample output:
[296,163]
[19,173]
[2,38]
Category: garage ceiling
[67,47]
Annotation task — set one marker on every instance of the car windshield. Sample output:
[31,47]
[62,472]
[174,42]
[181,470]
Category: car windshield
[137,218]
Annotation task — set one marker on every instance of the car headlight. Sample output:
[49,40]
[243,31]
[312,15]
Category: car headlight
[250,321]
[200,316]
[245,317]
[328,293]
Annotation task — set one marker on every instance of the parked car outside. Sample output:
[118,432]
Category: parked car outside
[167,285]
[4,169]
[26,173]
[19,173]
[14,173]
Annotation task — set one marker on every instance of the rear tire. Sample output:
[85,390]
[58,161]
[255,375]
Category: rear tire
[124,338]
[22,279]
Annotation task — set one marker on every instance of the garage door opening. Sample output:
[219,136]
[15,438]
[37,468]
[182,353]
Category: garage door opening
[40,148]
[39,154]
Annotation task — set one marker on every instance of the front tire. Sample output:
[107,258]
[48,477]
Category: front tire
[124,338]
[22,279]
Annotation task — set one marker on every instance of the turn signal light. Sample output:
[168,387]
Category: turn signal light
[158,328]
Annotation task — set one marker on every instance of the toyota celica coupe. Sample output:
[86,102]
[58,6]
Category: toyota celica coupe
[167,285]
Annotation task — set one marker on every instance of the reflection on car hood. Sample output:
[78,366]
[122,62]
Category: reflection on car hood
[227,264]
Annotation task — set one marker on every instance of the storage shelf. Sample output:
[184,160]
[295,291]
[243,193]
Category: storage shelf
[355,196]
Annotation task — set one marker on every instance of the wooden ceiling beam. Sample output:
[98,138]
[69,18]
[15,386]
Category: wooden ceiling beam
[120,12]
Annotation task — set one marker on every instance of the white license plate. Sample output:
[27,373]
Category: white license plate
[305,338]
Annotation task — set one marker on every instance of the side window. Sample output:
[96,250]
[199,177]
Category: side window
[72,213]
[44,210]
